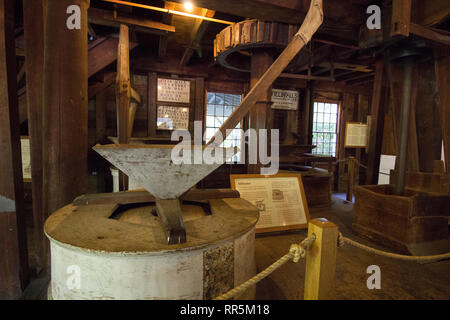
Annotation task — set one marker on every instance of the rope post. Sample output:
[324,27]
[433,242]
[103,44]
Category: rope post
[321,260]
[351,178]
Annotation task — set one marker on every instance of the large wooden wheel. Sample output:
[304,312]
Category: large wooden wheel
[249,35]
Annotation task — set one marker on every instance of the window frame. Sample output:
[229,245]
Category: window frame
[337,126]
[241,123]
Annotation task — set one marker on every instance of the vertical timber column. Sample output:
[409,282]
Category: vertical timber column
[376,130]
[13,244]
[34,27]
[321,260]
[442,63]
[123,94]
[260,115]
[65,107]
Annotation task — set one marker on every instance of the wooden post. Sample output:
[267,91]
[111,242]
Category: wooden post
[13,243]
[65,106]
[100,117]
[442,63]
[351,178]
[377,127]
[321,260]
[260,114]
[401,17]
[34,26]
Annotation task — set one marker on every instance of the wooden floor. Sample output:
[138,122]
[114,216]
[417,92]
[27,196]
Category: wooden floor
[399,279]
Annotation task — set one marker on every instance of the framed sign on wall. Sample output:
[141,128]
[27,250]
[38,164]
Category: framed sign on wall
[356,135]
[173,90]
[172,118]
[285,99]
[26,158]
[280,199]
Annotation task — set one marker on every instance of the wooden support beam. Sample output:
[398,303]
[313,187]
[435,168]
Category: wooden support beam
[13,244]
[321,260]
[123,88]
[401,17]
[65,106]
[442,65]
[103,54]
[34,28]
[197,33]
[305,77]
[97,87]
[429,13]
[100,117]
[151,101]
[260,116]
[429,34]
[351,178]
[108,18]
[376,131]
[21,73]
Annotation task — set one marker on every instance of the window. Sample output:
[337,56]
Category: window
[325,128]
[219,107]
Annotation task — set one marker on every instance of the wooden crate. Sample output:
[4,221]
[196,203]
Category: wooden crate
[400,222]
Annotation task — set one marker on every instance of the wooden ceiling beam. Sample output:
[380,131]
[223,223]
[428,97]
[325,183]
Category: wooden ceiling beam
[103,54]
[97,87]
[108,18]
[197,33]
[429,13]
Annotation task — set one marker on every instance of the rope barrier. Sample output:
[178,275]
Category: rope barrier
[296,252]
[342,240]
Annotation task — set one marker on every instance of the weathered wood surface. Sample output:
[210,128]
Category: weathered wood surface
[34,22]
[401,17]
[321,260]
[13,244]
[442,61]
[65,111]
[251,34]
[400,221]
[128,197]
[310,25]
[261,115]
[103,52]
[111,19]
[434,183]
[377,126]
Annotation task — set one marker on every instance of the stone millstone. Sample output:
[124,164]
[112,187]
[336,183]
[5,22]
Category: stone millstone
[152,168]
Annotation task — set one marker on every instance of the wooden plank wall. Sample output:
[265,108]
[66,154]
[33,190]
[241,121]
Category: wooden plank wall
[13,245]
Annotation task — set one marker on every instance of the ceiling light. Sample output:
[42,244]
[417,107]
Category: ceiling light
[188,6]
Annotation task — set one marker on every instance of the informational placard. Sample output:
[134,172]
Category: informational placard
[172,118]
[26,158]
[280,199]
[387,163]
[285,99]
[173,90]
[356,135]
